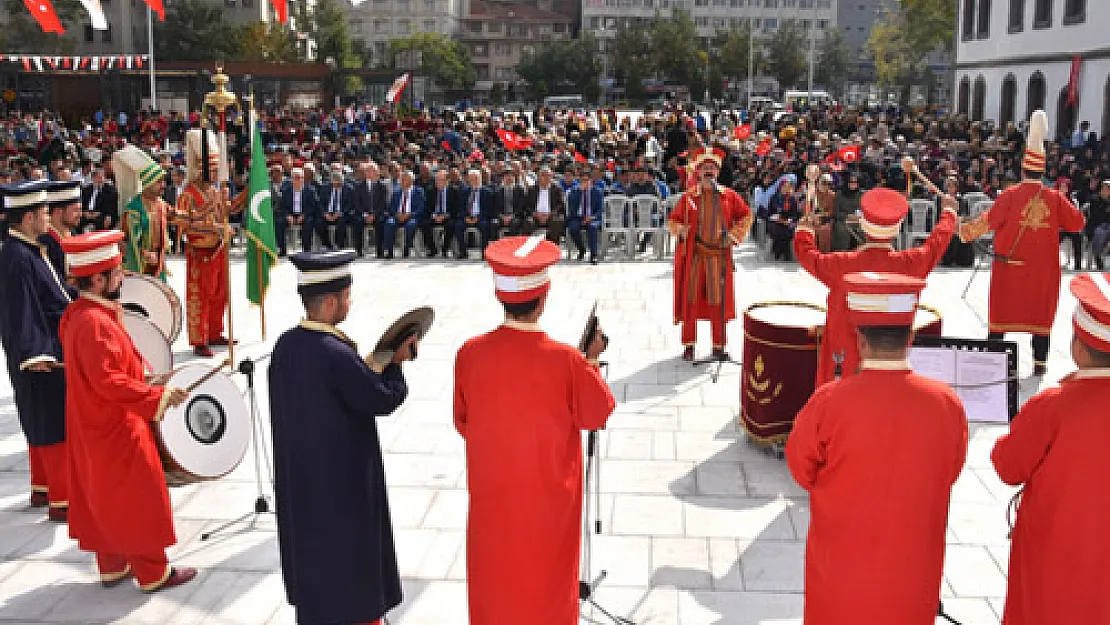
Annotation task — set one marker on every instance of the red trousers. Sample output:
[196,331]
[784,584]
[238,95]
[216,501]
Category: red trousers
[49,473]
[690,332]
[205,293]
[150,569]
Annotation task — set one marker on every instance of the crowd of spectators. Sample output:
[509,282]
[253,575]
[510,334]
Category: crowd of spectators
[362,175]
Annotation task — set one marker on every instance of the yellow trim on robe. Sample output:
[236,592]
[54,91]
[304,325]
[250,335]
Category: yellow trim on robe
[158,584]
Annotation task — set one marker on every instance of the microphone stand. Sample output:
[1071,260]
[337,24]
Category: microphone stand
[721,356]
[261,503]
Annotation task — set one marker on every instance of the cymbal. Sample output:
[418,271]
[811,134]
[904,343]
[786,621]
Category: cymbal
[415,322]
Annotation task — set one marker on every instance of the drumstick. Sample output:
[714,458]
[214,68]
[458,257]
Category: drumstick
[204,378]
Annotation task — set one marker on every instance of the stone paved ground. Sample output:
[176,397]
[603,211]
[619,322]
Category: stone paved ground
[699,527]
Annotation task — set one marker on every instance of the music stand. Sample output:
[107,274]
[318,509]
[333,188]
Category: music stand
[586,586]
[261,502]
[722,356]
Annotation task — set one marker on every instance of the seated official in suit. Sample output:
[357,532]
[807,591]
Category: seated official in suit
[336,201]
[545,206]
[405,211]
[586,205]
[298,207]
[363,213]
[475,211]
[441,203]
[99,204]
[507,200]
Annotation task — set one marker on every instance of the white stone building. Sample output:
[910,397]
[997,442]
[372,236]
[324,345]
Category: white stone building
[1015,56]
[377,22]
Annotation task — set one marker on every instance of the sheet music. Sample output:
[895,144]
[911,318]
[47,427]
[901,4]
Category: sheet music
[964,370]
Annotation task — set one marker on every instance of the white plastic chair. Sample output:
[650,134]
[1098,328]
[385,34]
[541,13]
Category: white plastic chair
[919,229]
[646,218]
[613,225]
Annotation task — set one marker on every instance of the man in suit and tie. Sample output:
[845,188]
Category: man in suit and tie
[405,210]
[442,202]
[587,203]
[371,208]
[99,204]
[298,207]
[336,203]
[476,211]
[507,201]
[545,206]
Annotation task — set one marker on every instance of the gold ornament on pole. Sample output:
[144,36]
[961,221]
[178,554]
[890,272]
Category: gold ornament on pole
[221,100]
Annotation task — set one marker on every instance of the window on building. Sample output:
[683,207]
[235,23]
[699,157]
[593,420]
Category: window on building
[822,24]
[381,27]
[720,23]
[1042,14]
[90,34]
[106,35]
[495,28]
[771,23]
[404,6]
[527,50]
[1016,21]
[1075,11]
[701,3]
[429,26]
[983,27]
[963,99]
[1036,94]
[403,27]
[430,5]
[227,3]
[1006,109]
[978,99]
[482,71]
[968,20]
[545,30]
[247,4]
[701,22]
[475,27]
[480,49]
[559,29]
[595,23]
[771,4]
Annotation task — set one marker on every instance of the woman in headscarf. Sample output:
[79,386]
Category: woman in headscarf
[845,205]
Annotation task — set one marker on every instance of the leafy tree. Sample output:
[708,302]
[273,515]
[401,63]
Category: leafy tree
[632,46]
[328,24]
[497,94]
[834,62]
[23,34]
[732,47]
[441,58]
[568,64]
[268,42]
[890,50]
[902,38]
[195,30]
[786,54]
[677,50]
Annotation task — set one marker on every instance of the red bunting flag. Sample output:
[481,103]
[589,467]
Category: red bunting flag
[764,147]
[158,8]
[282,10]
[743,131]
[513,141]
[395,91]
[578,158]
[446,146]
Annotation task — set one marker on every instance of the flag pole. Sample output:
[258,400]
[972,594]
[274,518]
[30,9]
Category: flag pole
[253,123]
[221,99]
[261,289]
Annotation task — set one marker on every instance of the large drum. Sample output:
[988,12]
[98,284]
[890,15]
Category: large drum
[155,300]
[151,343]
[781,340]
[205,437]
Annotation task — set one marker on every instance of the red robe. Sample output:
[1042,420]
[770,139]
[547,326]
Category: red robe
[1056,448]
[524,472]
[1023,297]
[118,502]
[206,267]
[879,453]
[831,268]
[691,269]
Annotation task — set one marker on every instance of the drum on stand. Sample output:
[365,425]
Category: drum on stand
[205,437]
[779,372]
[928,321]
[155,300]
[151,343]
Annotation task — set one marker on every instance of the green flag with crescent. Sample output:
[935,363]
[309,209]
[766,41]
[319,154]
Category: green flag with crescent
[258,222]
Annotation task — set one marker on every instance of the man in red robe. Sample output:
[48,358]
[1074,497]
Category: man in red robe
[524,448]
[883,211]
[119,507]
[1025,276]
[707,220]
[878,453]
[1056,450]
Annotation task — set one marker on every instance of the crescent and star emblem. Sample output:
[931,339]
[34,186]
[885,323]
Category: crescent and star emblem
[256,203]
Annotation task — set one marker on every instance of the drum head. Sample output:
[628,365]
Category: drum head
[149,297]
[924,316]
[206,437]
[788,314]
[151,343]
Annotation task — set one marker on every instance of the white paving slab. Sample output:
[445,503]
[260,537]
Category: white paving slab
[699,526]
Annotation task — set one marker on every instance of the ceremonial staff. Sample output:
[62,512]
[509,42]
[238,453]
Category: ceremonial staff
[221,99]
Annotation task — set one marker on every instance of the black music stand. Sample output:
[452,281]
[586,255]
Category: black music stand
[721,357]
[262,502]
[944,615]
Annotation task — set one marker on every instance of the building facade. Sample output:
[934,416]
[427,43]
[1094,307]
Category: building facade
[1016,56]
[499,34]
[376,22]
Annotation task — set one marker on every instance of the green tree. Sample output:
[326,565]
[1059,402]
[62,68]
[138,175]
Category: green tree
[786,54]
[564,66]
[268,42]
[23,34]
[834,62]
[678,52]
[632,57]
[195,30]
[441,58]
[732,47]
[905,35]
[328,25]
[890,50]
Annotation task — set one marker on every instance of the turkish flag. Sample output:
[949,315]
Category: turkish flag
[742,131]
[848,153]
[764,147]
[43,12]
[158,8]
[282,10]
[513,141]
[446,146]
[578,158]
[1073,80]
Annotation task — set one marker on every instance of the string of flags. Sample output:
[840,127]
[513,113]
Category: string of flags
[41,63]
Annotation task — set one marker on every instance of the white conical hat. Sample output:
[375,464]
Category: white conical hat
[1034,157]
[194,150]
[135,171]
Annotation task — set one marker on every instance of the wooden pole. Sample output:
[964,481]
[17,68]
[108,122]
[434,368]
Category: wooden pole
[261,291]
[227,233]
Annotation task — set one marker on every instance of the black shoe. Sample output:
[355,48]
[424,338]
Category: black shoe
[593,261]
[1039,369]
[281,253]
[404,254]
[360,254]
[580,255]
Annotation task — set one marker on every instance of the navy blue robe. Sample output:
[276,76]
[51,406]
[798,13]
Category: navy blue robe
[32,300]
[55,254]
[334,528]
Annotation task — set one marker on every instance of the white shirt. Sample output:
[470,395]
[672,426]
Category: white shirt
[474,204]
[297,202]
[404,205]
[543,202]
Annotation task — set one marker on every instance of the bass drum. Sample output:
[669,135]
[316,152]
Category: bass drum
[928,321]
[779,368]
[155,300]
[205,437]
[151,343]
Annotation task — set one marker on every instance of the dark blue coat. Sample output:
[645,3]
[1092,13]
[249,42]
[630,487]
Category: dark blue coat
[334,529]
[32,300]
